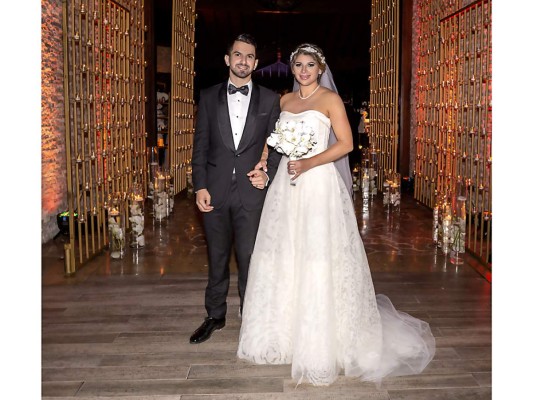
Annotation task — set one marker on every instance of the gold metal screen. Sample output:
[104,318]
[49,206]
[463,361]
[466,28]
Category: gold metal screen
[104,114]
[430,163]
[384,84]
[454,112]
[182,99]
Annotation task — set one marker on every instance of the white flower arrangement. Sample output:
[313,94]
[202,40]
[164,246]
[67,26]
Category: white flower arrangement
[137,224]
[292,138]
[160,205]
[116,237]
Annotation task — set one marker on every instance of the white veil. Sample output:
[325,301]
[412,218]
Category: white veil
[342,164]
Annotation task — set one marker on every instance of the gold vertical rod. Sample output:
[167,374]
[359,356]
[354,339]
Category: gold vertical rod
[472,119]
[95,200]
[82,194]
[173,97]
[70,259]
[90,218]
[488,100]
[102,119]
[476,94]
[75,62]
[394,103]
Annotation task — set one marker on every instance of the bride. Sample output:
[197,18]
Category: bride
[310,299]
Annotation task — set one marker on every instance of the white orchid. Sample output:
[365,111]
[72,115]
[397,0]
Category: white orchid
[292,138]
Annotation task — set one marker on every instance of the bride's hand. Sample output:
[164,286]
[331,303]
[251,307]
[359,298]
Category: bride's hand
[298,167]
[262,164]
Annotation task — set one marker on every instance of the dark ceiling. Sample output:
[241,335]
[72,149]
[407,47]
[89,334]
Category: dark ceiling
[341,28]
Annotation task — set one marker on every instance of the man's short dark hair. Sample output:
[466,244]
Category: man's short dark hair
[243,37]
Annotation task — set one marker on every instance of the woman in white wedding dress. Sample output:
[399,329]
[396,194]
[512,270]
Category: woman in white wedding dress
[310,299]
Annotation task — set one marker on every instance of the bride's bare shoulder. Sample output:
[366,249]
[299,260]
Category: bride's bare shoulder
[287,98]
[329,94]
[329,98]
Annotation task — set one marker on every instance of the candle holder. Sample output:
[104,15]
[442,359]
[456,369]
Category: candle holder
[160,197]
[153,160]
[169,189]
[458,233]
[446,224]
[386,192]
[136,195]
[436,211]
[395,191]
[116,226]
[373,173]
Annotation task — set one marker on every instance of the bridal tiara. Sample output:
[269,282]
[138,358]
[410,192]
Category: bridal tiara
[308,49]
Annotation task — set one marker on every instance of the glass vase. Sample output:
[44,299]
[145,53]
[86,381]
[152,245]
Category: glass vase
[153,160]
[436,222]
[116,226]
[446,228]
[160,198]
[169,189]
[395,191]
[459,222]
[136,218]
[373,173]
[386,193]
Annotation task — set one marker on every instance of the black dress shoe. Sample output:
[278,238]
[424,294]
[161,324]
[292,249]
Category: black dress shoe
[206,329]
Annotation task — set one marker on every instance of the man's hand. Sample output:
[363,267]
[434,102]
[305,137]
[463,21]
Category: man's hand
[203,201]
[258,178]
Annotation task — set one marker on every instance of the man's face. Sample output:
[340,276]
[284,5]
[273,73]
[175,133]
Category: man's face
[241,60]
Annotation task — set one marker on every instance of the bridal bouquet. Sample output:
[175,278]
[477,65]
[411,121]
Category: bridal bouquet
[292,138]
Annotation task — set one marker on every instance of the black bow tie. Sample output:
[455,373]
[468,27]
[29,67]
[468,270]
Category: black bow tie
[243,89]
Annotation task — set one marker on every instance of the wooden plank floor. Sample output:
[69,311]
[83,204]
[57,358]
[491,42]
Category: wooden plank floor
[121,328]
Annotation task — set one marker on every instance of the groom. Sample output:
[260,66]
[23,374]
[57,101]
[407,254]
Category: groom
[233,122]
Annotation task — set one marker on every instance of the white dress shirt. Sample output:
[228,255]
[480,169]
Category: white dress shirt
[238,105]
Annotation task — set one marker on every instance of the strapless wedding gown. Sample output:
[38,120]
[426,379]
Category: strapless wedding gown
[310,299]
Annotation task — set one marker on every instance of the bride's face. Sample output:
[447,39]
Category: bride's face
[305,69]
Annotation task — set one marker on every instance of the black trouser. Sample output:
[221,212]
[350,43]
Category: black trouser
[230,224]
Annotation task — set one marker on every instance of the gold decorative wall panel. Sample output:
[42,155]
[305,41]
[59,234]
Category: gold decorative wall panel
[182,100]
[384,84]
[428,162]
[104,114]
[454,112]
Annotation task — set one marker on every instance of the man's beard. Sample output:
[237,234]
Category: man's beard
[241,73]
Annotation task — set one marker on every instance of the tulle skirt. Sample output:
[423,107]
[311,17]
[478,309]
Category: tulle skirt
[310,300]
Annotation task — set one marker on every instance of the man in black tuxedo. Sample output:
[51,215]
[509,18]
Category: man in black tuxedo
[233,122]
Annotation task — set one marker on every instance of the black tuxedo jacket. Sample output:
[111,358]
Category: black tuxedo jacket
[214,154]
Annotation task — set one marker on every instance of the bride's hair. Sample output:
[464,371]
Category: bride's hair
[312,50]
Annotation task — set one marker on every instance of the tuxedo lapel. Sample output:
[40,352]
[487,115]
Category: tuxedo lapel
[224,123]
[249,126]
